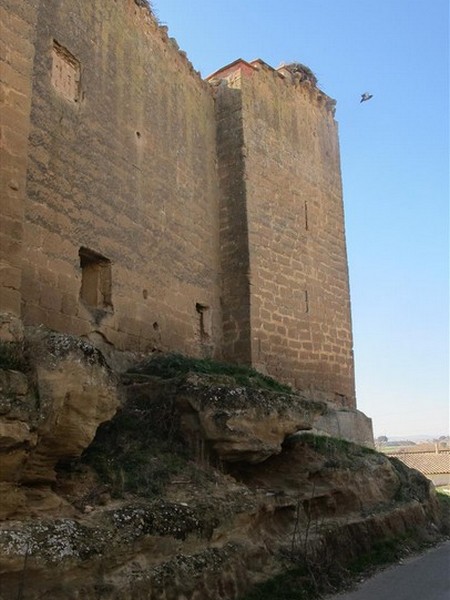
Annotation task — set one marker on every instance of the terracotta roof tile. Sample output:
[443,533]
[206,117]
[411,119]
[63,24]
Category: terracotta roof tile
[427,463]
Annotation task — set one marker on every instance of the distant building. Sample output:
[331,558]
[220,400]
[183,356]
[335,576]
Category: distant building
[432,461]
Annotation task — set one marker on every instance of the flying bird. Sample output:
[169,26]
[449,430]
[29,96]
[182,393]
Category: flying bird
[366,96]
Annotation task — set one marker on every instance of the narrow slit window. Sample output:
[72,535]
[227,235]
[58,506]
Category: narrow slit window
[306,302]
[96,279]
[205,321]
[306,216]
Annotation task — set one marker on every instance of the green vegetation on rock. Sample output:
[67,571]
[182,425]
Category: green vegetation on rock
[168,366]
[12,356]
[291,585]
[444,503]
[316,577]
[331,445]
[139,449]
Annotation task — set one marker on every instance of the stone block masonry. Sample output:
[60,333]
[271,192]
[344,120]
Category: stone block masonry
[289,202]
[234,246]
[147,209]
[17,34]
[122,190]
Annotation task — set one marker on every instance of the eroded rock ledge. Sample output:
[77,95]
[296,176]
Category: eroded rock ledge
[194,486]
[238,424]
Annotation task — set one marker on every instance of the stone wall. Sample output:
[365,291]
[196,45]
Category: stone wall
[297,267]
[121,230]
[17,31]
[148,209]
[233,224]
[300,293]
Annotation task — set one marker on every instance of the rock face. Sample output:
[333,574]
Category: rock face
[242,424]
[11,328]
[193,488]
[49,415]
[346,423]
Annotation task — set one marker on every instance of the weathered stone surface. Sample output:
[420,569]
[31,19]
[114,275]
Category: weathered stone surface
[16,64]
[212,539]
[11,328]
[77,392]
[227,197]
[14,433]
[52,419]
[242,424]
[346,423]
[195,488]
[334,476]
[286,297]
[12,383]
[17,435]
[165,208]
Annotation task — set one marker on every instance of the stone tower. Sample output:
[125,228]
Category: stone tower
[286,301]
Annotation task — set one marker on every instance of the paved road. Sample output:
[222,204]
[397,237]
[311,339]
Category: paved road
[424,577]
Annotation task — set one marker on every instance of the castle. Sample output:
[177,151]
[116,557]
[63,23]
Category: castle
[146,208]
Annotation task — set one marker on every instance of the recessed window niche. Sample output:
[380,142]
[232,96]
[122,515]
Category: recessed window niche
[205,323]
[65,73]
[96,280]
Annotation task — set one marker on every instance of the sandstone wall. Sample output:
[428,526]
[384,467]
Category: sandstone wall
[290,195]
[17,30]
[233,223]
[122,235]
[121,217]
[301,323]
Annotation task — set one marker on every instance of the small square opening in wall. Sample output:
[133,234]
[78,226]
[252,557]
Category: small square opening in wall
[96,279]
[65,73]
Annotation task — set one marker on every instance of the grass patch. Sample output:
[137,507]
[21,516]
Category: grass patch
[414,485]
[291,585]
[317,577]
[382,553]
[308,581]
[168,366]
[335,448]
[13,357]
[444,503]
[139,449]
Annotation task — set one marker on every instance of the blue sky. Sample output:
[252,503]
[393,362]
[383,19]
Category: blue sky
[395,167]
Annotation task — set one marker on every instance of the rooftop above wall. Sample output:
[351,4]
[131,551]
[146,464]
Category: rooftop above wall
[295,74]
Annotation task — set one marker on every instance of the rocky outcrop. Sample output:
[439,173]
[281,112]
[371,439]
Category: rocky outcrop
[194,487]
[346,423]
[49,414]
[11,328]
[214,537]
[239,423]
